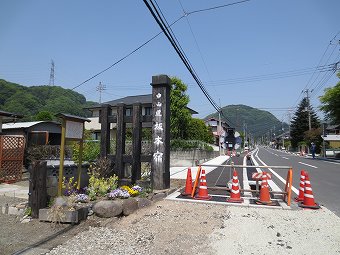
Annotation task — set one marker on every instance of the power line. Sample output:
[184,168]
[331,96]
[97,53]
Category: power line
[196,43]
[148,41]
[158,18]
[217,7]
[271,76]
[318,66]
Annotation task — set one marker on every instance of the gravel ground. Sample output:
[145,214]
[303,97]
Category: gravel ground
[171,227]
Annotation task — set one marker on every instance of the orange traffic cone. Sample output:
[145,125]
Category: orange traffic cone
[264,191]
[308,201]
[188,184]
[235,195]
[203,189]
[301,196]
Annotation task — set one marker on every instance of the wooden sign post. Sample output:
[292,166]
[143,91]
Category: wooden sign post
[160,164]
[72,128]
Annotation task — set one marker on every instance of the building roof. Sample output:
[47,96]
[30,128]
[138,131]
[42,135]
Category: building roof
[72,117]
[143,99]
[24,124]
[332,138]
[130,100]
[9,116]
[332,127]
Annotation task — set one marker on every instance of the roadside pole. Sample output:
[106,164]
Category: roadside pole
[219,133]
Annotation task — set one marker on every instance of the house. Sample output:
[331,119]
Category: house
[333,136]
[8,117]
[145,100]
[217,128]
[35,132]
[333,129]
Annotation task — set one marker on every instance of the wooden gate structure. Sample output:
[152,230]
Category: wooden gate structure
[160,119]
[12,149]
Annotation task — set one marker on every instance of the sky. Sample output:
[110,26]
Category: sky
[260,53]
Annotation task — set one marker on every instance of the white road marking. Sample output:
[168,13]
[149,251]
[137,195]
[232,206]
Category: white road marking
[285,158]
[271,183]
[278,176]
[275,154]
[308,165]
[335,163]
[245,179]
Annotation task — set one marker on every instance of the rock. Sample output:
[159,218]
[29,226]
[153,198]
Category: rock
[108,208]
[143,202]
[26,219]
[158,197]
[130,205]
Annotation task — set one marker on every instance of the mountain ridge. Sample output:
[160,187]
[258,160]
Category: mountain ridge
[255,121]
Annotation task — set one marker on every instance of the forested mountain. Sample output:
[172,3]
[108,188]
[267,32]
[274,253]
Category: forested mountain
[257,122]
[30,101]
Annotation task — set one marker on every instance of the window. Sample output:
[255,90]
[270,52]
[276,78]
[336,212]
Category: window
[128,112]
[148,111]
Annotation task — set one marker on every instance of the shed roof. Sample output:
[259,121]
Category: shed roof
[9,116]
[24,124]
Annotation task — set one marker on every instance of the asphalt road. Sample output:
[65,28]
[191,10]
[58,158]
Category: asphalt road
[221,175]
[324,175]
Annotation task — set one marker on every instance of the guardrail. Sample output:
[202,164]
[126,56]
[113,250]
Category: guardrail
[286,194]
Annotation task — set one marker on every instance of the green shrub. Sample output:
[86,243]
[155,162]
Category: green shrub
[91,151]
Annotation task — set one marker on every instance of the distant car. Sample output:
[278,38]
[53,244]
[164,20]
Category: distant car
[248,156]
[246,148]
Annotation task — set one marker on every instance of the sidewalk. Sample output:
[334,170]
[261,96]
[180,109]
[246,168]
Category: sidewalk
[20,189]
[180,172]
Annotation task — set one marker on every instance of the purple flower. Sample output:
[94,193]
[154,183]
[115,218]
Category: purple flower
[118,193]
[137,188]
[82,198]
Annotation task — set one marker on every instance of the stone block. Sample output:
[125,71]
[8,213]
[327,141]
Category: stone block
[69,216]
[108,208]
[143,202]
[130,205]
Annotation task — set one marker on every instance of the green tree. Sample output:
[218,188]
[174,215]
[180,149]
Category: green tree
[180,115]
[29,101]
[44,116]
[300,123]
[23,103]
[331,103]
[314,136]
[197,130]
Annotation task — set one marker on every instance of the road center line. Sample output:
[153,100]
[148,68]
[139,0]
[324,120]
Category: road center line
[278,176]
[271,183]
[285,158]
[308,165]
[245,178]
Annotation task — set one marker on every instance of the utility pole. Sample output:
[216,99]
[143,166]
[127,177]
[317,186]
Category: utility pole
[308,109]
[219,132]
[51,82]
[101,87]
